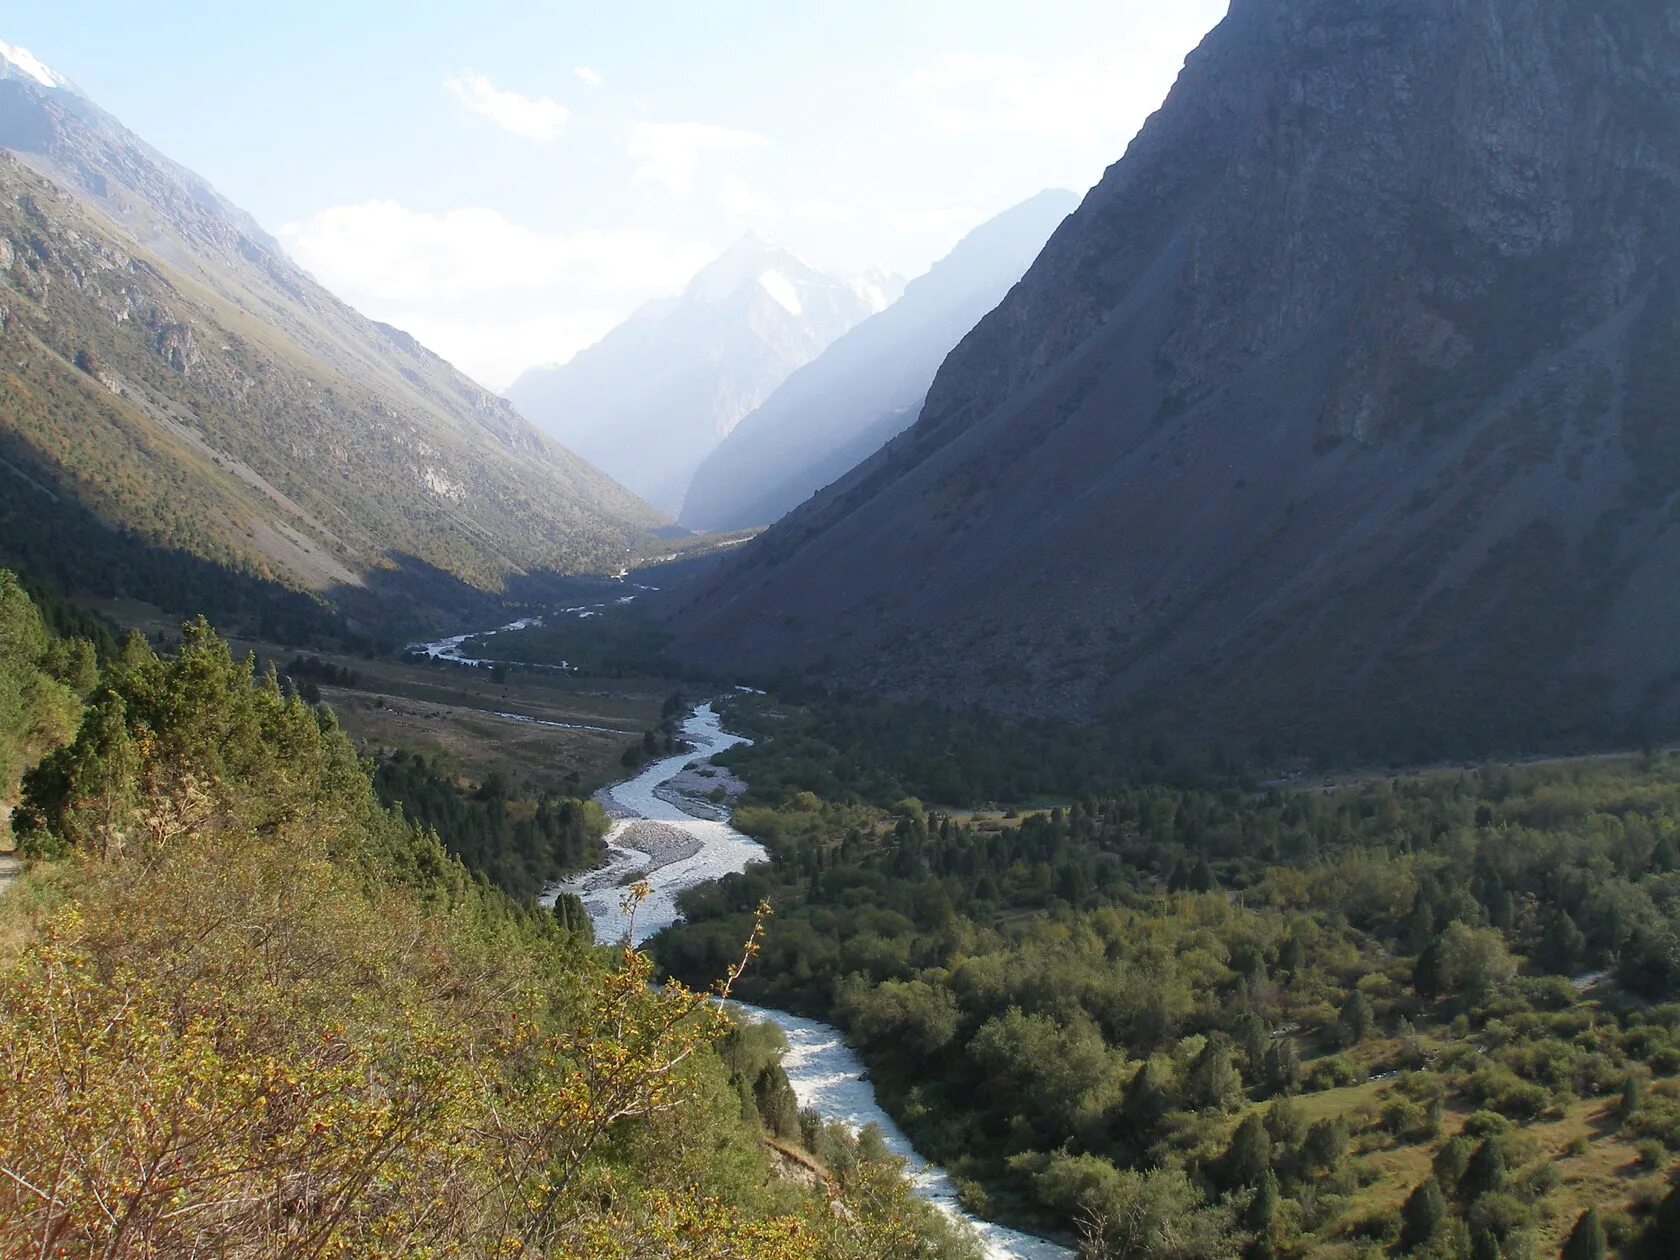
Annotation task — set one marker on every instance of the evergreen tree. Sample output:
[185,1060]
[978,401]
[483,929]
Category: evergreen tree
[1326,1145]
[1145,1103]
[1213,1083]
[1633,1094]
[1356,1021]
[1485,1174]
[1423,1215]
[1283,1067]
[1451,1161]
[1428,973]
[1661,1239]
[1586,1240]
[1248,1160]
[1485,1246]
[1262,1218]
[1563,947]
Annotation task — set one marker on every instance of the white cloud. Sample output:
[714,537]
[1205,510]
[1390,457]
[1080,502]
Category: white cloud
[387,250]
[490,295]
[495,349]
[1079,101]
[828,212]
[534,118]
[669,154]
[741,200]
[588,76]
[935,220]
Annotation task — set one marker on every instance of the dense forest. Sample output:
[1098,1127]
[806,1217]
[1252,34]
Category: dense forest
[520,842]
[250,1011]
[1435,1016]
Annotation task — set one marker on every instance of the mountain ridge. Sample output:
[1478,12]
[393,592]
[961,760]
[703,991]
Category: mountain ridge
[866,386]
[650,399]
[224,368]
[1321,405]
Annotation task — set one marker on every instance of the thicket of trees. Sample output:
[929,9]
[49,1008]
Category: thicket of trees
[249,1011]
[1132,1005]
[520,842]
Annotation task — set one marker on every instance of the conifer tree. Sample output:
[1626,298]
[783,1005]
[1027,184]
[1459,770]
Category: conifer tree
[1423,1215]
[1586,1240]
[1485,1173]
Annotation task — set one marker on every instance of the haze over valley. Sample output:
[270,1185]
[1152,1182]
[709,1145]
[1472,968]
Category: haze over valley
[952,632]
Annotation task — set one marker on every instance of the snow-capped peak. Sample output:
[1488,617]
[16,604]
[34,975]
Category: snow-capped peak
[781,289]
[31,66]
[877,288]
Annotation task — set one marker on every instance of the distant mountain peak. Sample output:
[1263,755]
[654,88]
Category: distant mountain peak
[651,399]
[27,64]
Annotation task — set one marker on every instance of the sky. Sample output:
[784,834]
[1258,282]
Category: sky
[508,179]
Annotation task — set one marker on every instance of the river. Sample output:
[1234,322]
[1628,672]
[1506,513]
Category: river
[682,851]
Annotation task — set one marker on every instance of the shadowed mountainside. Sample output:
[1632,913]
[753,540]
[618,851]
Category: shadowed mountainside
[1344,407]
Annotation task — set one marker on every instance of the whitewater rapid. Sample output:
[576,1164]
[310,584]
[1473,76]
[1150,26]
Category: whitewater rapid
[826,1073]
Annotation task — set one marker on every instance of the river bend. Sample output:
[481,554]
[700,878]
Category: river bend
[677,851]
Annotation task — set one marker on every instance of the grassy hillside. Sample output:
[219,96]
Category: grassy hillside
[250,1012]
[147,414]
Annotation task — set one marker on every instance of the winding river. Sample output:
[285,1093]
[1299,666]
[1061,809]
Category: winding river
[678,851]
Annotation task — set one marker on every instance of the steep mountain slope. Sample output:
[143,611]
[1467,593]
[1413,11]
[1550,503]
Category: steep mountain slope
[655,395]
[1346,408]
[170,374]
[837,410]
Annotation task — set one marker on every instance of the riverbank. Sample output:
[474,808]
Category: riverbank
[825,1073]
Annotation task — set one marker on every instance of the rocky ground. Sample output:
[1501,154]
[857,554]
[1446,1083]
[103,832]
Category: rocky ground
[708,792]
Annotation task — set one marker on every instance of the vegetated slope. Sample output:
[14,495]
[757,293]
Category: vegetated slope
[250,1013]
[1343,409]
[169,371]
[654,396]
[836,411]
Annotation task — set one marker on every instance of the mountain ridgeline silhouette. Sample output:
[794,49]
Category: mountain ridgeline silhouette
[836,411]
[1345,408]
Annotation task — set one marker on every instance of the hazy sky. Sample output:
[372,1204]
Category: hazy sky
[508,180]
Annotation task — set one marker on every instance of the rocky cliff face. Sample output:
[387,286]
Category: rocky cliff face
[1345,403]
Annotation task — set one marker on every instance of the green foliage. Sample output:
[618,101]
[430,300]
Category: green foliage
[1423,1216]
[1029,984]
[308,1027]
[521,842]
[1586,1241]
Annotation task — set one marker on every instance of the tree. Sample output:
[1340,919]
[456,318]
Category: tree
[1661,1239]
[1262,1217]
[1633,1094]
[573,918]
[1563,946]
[1283,1067]
[1423,1215]
[1429,972]
[1355,1021]
[1326,1144]
[1475,961]
[1451,1161]
[1485,1174]
[1213,1083]
[1485,1246]
[1145,1103]
[1126,1215]
[1249,1033]
[1586,1240]
[1248,1159]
